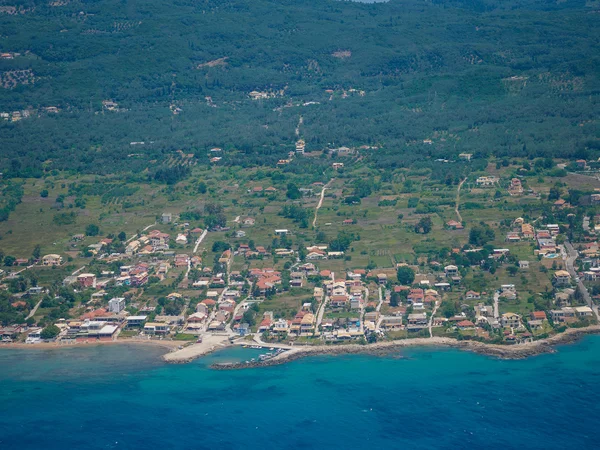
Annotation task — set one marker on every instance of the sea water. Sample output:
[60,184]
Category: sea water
[125,397]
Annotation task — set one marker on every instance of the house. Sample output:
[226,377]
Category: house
[300,146]
[465,325]
[454,225]
[248,221]
[486,181]
[240,234]
[281,232]
[417,320]
[156,328]
[136,321]
[513,237]
[537,315]
[563,315]
[451,270]
[116,305]
[158,240]
[52,260]
[307,324]
[382,278]
[337,165]
[516,187]
[338,301]
[472,295]
[296,279]
[196,318]
[86,280]
[511,320]
[226,258]
[523,264]
[181,260]
[181,239]
[465,156]
[561,278]
[166,217]
[583,311]
[527,231]
[316,254]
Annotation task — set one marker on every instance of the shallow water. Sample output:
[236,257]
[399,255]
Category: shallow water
[125,397]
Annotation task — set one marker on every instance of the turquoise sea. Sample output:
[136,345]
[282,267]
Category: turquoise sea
[124,397]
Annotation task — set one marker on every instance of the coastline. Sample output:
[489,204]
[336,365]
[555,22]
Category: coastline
[169,345]
[211,344]
[517,351]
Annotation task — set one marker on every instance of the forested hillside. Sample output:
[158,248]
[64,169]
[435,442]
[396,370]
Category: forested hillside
[88,78]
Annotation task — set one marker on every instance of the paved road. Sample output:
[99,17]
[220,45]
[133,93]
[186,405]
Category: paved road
[570,263]
[321,311]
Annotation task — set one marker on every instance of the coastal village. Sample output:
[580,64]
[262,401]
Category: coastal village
[205,283]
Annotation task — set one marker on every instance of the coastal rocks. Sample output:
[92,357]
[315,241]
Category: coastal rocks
[517,351]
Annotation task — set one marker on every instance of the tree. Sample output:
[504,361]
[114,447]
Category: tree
[424,225]
[9,260]
[512,270]
[50,332]
[92,230]
[405,275]
[395,299]
[44,193]
[220,246]
[481,235]
[37,250]
[293,193]
[202,187]
[249,318]
[122,236]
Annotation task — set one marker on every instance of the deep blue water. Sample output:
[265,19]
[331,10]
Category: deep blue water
[126,398]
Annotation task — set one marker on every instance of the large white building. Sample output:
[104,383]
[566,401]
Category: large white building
[116,305]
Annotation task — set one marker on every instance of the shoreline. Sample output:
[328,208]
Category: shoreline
[210,344]
[512,352]
[169,345]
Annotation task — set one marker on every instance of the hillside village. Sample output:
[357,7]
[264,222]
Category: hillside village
[246,277]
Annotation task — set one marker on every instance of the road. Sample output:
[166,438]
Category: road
[570,263]
[321,311]
[496,298]
[77,271]
[135,235]
[314,223]
[200,239]
[34,310]
[586,223]
[458,200]
[380,300]
[430,324]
